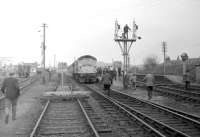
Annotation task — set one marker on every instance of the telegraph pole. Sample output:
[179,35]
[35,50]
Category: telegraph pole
[125,44]
[164,47]
[54,62]
[44,45]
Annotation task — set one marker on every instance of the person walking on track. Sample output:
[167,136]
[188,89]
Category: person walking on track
[11,90]
[107,81]
[149,78]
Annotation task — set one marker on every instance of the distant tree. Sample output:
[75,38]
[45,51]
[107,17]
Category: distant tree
[150,62]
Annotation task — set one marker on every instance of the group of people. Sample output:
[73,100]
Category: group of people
[114,72]
[11,90]
[149,82]
[149,79]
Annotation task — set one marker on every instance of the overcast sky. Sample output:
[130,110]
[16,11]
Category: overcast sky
[79,27]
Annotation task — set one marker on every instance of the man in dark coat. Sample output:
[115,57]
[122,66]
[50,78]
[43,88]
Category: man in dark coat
[126,29]
[11,90]
[150,80]
[186,78]
[107,81]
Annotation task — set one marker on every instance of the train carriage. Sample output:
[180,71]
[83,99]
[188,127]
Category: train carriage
[84,69]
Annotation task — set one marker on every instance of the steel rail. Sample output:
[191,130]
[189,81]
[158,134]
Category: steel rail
[39,120]
[180,86]
[170,130]
[188,116]
[186,96]
[88,119]
[155,131]
[183,96]
[192,87]
[181,91]
[156,84]
[191,116]
[144,115]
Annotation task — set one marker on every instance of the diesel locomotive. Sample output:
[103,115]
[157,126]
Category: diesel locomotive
[84,69]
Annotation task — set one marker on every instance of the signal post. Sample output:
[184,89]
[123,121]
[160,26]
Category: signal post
[125,42]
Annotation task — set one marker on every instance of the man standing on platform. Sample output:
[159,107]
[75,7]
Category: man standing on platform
[149,78]
[133,81]
[187,80]
[11,90]
[126,29]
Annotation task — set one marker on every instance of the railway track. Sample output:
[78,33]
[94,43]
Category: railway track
[193,88]
[92,121]
[191,116]
[96,118]
[72,118]
[179,93]
[166,121]
[121,121]
[169,90]
[159,79]
[65,118]
[127,124]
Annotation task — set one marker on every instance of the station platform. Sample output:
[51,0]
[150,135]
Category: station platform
[28,110]
[158,98]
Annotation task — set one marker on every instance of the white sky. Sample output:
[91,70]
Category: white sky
[79,27]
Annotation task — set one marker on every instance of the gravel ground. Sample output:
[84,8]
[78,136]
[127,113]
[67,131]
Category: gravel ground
[160,99]
[28,110]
